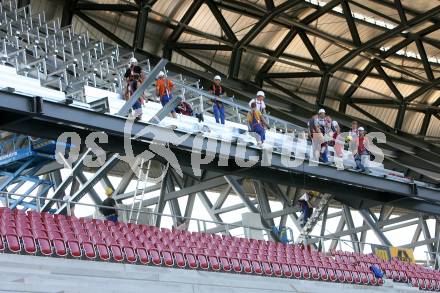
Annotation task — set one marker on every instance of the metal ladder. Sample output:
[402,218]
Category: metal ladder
[315,217]
[139,196]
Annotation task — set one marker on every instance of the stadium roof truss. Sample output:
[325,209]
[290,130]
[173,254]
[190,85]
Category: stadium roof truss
[371,50]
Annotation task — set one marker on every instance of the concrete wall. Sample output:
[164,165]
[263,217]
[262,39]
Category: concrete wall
[23,273]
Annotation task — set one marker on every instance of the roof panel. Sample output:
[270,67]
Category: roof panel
[270,37]
[386,115]
[412,122]
[434,127]
[205,21]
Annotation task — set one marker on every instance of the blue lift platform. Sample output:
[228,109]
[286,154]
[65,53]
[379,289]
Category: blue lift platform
[20,159]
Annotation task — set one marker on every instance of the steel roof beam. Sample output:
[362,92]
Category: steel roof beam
[389,82]
[383,37]
[102,29]
[400,117]
[401,11]
[293,32]
[269,4]
[68,12]
[424,57]
[305,74]
[425,123]
[351,23]
[186,19]
[198,62]
[311,49]
[322,90]
[106,7]
[141,23]
[222,21]
[422,90]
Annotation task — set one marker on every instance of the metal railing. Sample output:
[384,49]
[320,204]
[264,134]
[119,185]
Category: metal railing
[204,226]
[364,248]
[200,224]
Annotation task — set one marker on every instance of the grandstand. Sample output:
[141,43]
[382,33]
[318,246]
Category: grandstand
[205,206]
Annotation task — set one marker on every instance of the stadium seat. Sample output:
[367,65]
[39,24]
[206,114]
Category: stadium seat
[62,236]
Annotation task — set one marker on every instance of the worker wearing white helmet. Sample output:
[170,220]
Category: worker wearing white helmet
[361,153]
[132,61]
[134,78]
[218,107]
[164,90]
[325,125]
[259,101]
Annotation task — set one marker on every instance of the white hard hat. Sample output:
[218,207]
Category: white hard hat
[160,74]
[321,111]
[260,93]
[217,77]
[132,60]
[361,129]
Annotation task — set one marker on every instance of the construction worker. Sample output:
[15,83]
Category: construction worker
[164,90]
[306,207]
[353,134]
[259,100]
[257,123]
[109,211]
[361,150]
[338,145]
[218,107]
[134,78]
[185,109]
[325,123]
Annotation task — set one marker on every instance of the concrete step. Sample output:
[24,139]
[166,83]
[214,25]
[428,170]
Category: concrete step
[22,273]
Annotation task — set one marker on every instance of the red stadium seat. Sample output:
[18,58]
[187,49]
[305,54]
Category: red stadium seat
[225,264]
[286,270]
[13,243]
[203,261]
[235,264]
[296,271]
[323,273]
[277,271]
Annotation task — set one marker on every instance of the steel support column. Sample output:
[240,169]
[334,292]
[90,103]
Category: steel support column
[69,8]
[141,24]
[323,226]
[350,226]
[263,202]
[208,206]
[222,198]
[339,229]
[59,191]
[427,235]
[89,184]
[366,214]
[174,203]
[91,191]
[161,201]
[238,189]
